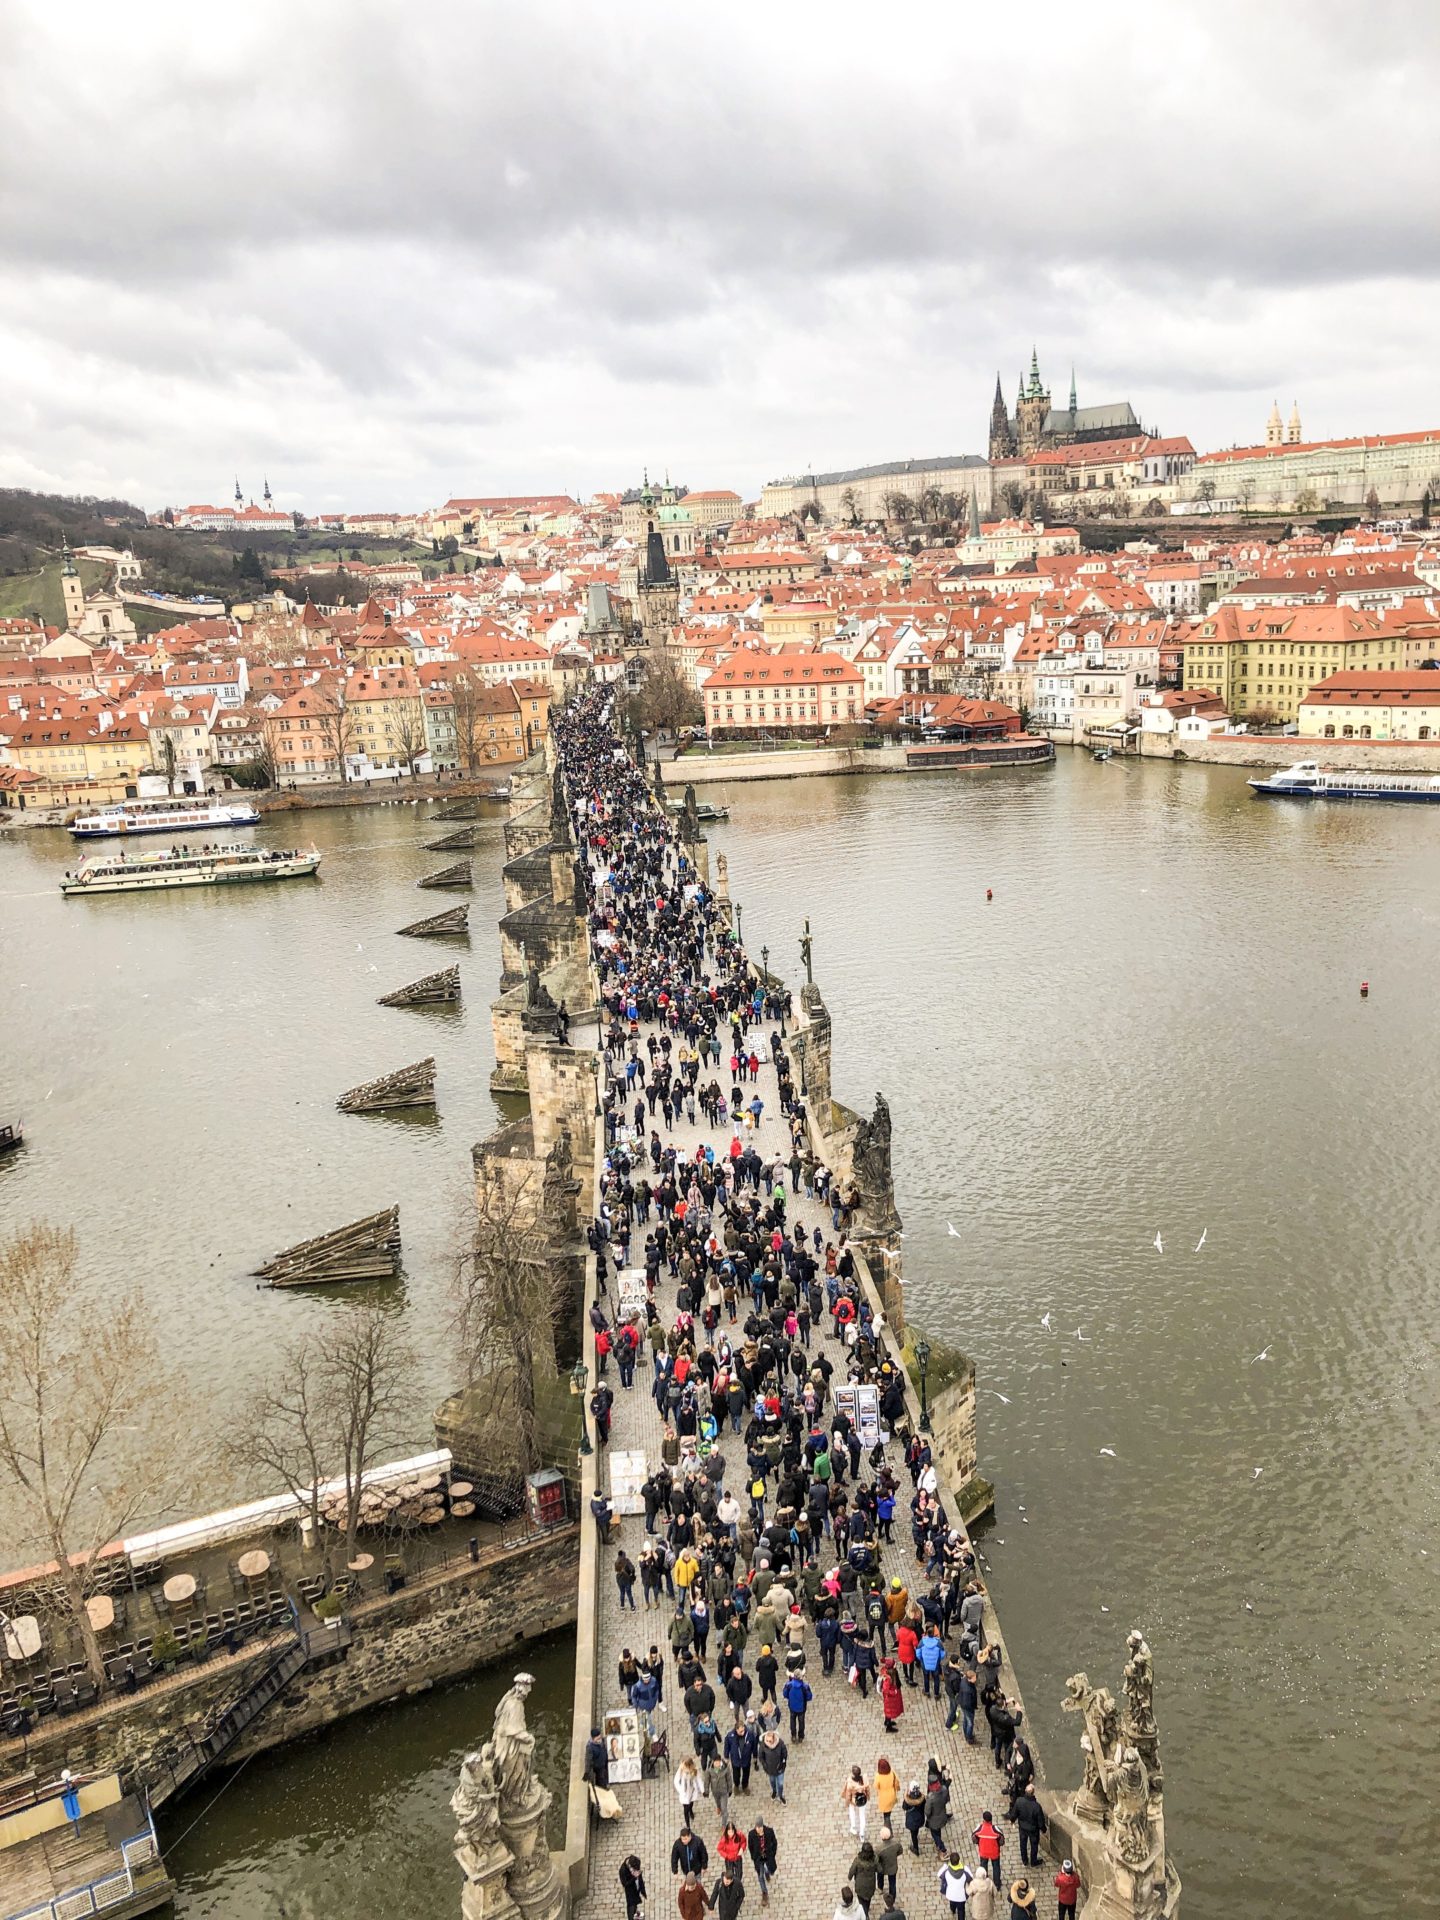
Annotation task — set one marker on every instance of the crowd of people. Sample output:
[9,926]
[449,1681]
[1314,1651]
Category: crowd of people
[785,1552]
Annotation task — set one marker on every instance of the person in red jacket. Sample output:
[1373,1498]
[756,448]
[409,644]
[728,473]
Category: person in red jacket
[988,1841]
[1067,1890]
[907,1645]
[892,1700]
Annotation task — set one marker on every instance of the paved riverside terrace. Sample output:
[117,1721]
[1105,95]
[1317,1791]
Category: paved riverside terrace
[815,1841]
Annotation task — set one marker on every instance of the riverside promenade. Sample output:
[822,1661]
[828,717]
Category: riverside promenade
[816,1838]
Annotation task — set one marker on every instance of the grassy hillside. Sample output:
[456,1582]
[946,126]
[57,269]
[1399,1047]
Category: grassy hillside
[38,594]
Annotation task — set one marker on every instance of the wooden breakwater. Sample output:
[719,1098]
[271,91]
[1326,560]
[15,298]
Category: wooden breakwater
[367,1249]
[434,990]
[412,1086]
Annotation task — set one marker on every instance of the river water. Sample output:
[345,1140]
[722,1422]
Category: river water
[1153,1028]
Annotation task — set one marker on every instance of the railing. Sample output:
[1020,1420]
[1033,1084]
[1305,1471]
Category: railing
[98,1896]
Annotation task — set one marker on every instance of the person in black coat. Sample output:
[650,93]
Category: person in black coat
[597,1760]
[727,1896]
[632,1884]
[689,1853]
[1029,1816]
[764,1853]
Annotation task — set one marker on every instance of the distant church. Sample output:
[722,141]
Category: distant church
[1036,425]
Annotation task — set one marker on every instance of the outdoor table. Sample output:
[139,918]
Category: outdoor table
[430,1484]
[255,1564]
[361,1563]
[22,1637]
[431,1517]
[101,1609]
[179,1588]
[462,1509]
[460,1489]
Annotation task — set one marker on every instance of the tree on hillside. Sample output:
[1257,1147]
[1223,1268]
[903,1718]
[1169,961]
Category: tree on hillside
[92,1436]
[850,506]
[899,507]
[1205,490]
[168,759]
[1372,504]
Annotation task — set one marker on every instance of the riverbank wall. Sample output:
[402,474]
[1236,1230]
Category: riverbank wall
[1285,750]
[798,763]
[440,1628]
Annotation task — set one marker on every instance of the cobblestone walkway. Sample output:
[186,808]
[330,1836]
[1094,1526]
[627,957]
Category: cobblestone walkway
[815,1845]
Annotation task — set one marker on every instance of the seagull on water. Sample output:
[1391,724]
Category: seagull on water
[1081,1336]
[1201,1241]
[953,1230]
[1257,1473]
[1045,1321]
[1264,1354]
[1109,1452]
[1159,1244]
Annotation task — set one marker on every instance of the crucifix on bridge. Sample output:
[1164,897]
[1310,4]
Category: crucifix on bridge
[805,945]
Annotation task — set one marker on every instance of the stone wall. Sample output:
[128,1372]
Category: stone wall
[404,1642]
[1367,756]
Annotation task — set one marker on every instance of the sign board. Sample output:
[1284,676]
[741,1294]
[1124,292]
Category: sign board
[627,1476]
[621,1728]
[862,1404]
[631,1292]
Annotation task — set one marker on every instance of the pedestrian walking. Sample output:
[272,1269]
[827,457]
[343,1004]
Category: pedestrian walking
[625,1579]
[892,1700]
[687,1789]
[885,1787]
[988,1841]
[1022,1900]
[847,1907]
[888,1848]
[597,1760]
[937,1809]
[764,1853]
[912,1807]
[727,1896]
[719,1783]
[1029,1817]
[731,1849]
[632,1885]
[692,1899]
[984,1900]
[798,1695]
[864,1875]
[689,1853]
[954,1878]
[772,1755]
[1067,1890]
[855,1798]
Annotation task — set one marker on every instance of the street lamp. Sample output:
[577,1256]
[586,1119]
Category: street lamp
[579,1375]
[922,1360]
[739,935]
[765,963]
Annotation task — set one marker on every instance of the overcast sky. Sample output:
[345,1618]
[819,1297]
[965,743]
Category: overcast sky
[389,254]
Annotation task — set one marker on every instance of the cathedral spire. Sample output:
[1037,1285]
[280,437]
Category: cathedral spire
[267,491]
[1073,408]
[239,497]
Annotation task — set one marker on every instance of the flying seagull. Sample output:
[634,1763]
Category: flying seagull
[1201,1241]
[1109,1452]
[1080,1336]
[1264,1354]
[997,1393]
[1258,1472]
[1159,1244]
[1045,1321]
[954,1231]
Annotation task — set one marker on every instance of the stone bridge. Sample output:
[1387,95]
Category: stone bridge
[547,1029]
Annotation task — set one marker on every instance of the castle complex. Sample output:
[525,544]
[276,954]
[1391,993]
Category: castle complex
[1036,426]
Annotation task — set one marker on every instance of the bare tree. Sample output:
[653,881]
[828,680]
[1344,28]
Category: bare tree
[850,505]
[1372,504]
[664,697]
[91,1435]
[1205,490]
[465,690]
[337,723]
[267,758]
[337,1402]
[508,1292]
[169,759]
[407,731]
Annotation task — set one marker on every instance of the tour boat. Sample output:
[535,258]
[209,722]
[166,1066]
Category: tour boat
[12,1135]
[1306,780]
[163,816]
[156,872]
[705,812]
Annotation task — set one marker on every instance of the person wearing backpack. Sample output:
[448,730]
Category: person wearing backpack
[798,1695]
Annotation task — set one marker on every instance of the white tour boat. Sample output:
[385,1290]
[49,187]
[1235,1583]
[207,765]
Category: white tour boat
[1308,781]
[163,816]
[211,867]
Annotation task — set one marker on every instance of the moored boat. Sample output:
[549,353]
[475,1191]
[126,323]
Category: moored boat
[1307,780]
[705,811]
[163,816]
[12,1135]
[211,867]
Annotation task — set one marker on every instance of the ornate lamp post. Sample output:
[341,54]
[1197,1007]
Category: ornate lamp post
[739,935]
[579,1376]
[765,963]
[922,1360]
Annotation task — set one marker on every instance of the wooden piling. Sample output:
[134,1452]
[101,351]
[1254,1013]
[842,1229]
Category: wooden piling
[453,920]
[367,1249]
[412,1086]
[456,876]
[452,842]
[434,989]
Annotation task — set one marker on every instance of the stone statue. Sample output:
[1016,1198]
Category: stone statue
[476,1800]
[872,1150]
[1137,1726]
[690,820]
[1099,1740]
[722,876]
[559,815]
[1127,1784]
[806,946]
[514,1746]
[537,995]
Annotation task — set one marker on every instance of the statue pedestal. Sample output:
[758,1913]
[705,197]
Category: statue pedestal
[484,1896]
[534,1885]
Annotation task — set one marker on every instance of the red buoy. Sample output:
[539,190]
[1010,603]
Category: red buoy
[988,894]
[1364,989]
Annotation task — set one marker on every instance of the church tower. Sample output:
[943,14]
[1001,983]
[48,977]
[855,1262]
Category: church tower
[1032,409]
[1002,437]
[266,495]
[1274,432]
[239,497]
[659,591]
[1292,432]
[73,590]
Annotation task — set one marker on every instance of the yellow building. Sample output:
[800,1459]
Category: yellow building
[1264,660]
[386,716]
[798,619]
[1373,706]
